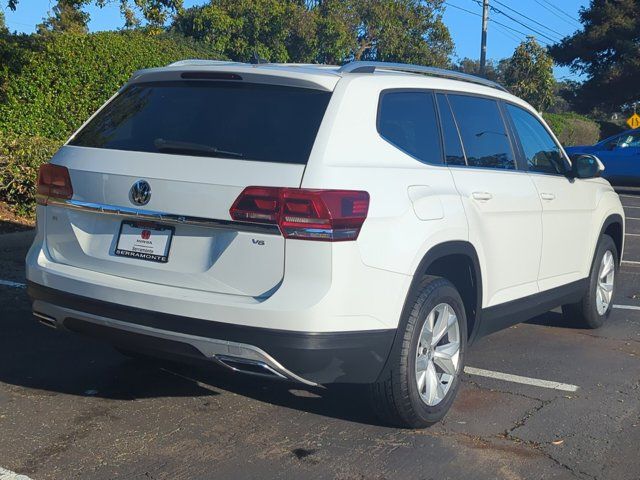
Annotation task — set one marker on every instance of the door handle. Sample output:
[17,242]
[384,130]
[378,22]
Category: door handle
[482,196]
[547,196]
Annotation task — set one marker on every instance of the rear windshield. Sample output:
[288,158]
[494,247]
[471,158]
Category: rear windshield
[248,121]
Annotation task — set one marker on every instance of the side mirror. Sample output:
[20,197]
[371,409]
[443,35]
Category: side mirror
[586,166]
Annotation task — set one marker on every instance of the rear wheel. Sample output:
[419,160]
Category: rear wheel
[421,377]
[595,306]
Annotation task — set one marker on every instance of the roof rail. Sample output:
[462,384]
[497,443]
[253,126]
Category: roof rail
[370,67]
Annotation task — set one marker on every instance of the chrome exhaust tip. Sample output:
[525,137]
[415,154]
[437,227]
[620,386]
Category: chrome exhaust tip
[46,320]
[251,367]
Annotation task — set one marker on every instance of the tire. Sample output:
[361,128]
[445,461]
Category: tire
[590,311]
[395,396]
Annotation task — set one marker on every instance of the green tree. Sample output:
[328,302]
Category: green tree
[607,50]
[324,31]
[3,25]
[66,16]
[410,31]
[238,29]
[155,12]
[529,74]
[494,69]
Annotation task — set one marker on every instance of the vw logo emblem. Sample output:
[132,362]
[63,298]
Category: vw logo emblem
[140,192]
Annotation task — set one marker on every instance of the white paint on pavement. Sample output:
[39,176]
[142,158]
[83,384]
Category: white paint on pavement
[627,307]
[536,382]
[9,283]
[629,262]
[9,475]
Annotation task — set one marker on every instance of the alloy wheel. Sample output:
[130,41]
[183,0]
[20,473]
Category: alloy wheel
[438,354]
[604,287]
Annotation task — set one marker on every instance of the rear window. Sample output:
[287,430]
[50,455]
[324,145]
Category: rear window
[265,123]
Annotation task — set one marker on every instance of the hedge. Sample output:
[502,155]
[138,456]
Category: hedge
[573,129]
[60,79]
[20,158]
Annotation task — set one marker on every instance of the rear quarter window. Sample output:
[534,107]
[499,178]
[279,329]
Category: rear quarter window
[408,120]
[206,118]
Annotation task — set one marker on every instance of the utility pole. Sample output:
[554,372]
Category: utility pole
[483,46]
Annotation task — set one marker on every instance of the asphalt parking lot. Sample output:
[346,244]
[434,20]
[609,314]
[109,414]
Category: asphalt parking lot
[75,408]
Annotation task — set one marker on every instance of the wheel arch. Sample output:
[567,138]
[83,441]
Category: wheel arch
[458,262]
[613,226]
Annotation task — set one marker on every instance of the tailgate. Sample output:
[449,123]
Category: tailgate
[196,149]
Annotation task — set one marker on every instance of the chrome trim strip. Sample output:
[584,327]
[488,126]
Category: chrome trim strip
[209,347]
[163,217]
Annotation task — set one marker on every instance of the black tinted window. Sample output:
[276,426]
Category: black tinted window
[408,121]
[542,153]
[483,132]
[234,120]
[453,153]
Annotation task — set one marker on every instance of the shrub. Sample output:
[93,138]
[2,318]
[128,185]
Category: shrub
[57,81]
[20,158]
[573,129]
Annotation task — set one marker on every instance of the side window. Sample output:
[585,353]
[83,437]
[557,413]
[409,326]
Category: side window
[453,153]
[541,151]
[408,121]
[629,140]
[483,132]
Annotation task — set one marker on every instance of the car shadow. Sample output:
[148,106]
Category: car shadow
[36,357]
[555,319]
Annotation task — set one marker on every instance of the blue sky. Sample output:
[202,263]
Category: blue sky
[464,25]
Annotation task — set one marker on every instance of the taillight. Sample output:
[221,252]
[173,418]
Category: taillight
[53,182]
[327,215]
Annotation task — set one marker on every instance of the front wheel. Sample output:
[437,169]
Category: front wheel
[595,306]
[422,375]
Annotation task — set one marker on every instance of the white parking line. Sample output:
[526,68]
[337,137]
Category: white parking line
[9,283]
[629,262]
[632,234]
[627,307]
[536,382]
[9,475]
[633,218]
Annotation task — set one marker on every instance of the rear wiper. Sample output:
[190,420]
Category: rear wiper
[192,148]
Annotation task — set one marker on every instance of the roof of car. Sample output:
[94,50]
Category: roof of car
[312,75]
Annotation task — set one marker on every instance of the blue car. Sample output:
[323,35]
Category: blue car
[620,155]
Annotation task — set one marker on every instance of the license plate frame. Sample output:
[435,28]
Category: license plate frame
[145,249]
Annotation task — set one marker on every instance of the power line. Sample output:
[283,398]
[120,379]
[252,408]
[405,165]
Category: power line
[497,10]
[572,23]
[524,34]
[463,9]
[561,35]
[508,34]
[555,7]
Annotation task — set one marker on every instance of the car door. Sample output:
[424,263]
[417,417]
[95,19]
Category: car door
[621,158]
[501,203]
[568,204]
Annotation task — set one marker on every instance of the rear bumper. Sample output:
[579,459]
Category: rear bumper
[306,357]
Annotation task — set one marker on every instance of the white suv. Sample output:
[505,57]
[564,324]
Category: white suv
[359,224]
